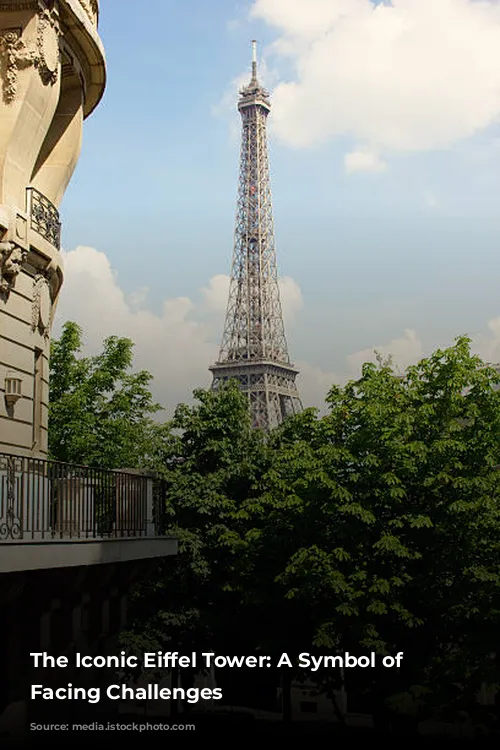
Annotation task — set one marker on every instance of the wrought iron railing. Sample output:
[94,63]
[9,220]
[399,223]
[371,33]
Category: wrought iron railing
[48,500]
[44,217]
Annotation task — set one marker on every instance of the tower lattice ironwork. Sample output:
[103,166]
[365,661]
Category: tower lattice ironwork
[254,350]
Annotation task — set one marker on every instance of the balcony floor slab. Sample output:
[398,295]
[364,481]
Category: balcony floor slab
[17,556]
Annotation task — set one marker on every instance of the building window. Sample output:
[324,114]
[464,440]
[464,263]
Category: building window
[37,397]
[308,707]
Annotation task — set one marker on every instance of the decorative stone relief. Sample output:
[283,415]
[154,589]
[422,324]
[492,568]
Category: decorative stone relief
[91,7]
[21,227]
[15,57]
[12,258]
[18,53]
[42,306]
[47,60]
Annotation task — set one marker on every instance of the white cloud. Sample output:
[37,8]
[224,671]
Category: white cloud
[173,345]
[139,297]
[314,383]
[488,346]
[227,106]
[177,348]
[291,297]
[216,292]
[363,160]
[409,349]
[404,351]
[409,75]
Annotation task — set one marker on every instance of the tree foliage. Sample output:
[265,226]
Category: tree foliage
[390,507]
[100,412]
[213,464]
[373,528]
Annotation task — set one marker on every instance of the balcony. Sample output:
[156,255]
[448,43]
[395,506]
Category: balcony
[54,514]
[44,217]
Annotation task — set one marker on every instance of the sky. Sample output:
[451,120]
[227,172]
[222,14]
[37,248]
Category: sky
[385,157]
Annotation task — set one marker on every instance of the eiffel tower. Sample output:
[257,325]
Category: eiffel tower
[254,350]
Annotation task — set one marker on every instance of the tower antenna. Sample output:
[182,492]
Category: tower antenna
[254,60]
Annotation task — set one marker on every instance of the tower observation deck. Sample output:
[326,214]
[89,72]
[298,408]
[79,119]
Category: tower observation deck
[254,350]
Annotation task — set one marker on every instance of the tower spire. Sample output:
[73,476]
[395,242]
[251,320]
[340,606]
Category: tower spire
[254,350]
[254,60]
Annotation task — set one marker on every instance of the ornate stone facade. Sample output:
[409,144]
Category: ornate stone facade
[15,57]
[91,7]
[12,258]
[41,318]
[52,73]
[42,52]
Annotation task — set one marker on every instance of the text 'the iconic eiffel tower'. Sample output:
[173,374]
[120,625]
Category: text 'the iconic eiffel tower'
[254,350]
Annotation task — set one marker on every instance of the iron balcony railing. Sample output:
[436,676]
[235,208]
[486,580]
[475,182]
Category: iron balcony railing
[44,217]
[43,500]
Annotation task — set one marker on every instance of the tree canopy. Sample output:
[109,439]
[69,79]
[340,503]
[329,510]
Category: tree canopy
[100,413]
[373,528]
[392,517]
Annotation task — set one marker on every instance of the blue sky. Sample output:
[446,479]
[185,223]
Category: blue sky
[407,240]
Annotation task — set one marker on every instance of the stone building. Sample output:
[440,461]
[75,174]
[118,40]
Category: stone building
[53,77]
[72,539]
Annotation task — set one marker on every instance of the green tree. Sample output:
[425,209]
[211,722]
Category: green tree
[384,518]
[100,413]
[213,464]
[372,528]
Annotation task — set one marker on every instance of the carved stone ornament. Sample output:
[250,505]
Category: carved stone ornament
[91,7]
[12,258]
[15,57]
[48,56]
[42,306]
[18,53]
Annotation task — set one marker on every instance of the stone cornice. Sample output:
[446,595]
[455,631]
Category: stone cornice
[77,22]
[91,7]
[82,36]
[19,5]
